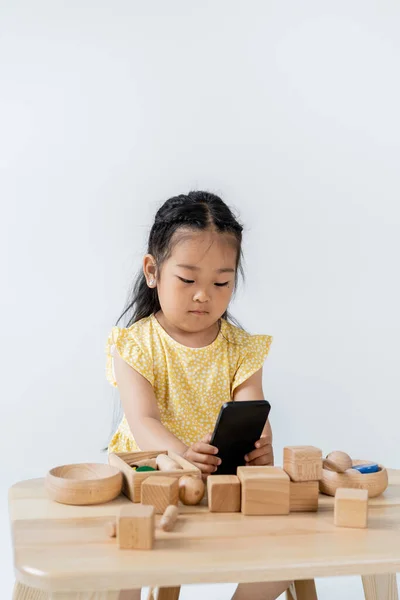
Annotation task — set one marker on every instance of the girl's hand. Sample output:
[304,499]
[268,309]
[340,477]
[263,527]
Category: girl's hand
[263,454]
[202,454]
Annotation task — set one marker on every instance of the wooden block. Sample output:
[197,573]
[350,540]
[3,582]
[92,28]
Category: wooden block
[303,463]
[304,496]
[160,492]
[135,527]
[223,493]
[265,490]
[351,508]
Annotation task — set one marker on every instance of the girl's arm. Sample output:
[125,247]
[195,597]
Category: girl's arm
[140,407]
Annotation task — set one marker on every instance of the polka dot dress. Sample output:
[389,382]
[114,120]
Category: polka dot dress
[190,384]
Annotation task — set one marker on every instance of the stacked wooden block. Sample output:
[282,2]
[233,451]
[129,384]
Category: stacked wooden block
[303,464]
[270,490]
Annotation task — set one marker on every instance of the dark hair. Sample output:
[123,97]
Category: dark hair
[198,210]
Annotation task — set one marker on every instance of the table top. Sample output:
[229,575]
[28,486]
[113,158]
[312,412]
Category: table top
[65,548]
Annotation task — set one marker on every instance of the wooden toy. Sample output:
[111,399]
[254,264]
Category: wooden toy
[265,490]
[224,493]
[135,527]
[191,490]
[304,496]
[375,483]
[166,463]
[150,462]
[337,461]
[143,469]
[132,480]
[374,468]
[169,518]
[351,508]
[302,463]
[160,492]
[84,483]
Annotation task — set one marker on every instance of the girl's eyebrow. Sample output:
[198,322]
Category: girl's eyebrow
[193,268]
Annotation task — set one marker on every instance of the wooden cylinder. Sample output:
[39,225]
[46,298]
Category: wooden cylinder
[165,463]
[169,518]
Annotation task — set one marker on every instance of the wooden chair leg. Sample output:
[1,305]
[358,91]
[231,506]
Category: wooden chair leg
[166,593]
[380,587]
[302,590]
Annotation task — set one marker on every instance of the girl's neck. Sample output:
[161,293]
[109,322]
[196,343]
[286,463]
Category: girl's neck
[198,339]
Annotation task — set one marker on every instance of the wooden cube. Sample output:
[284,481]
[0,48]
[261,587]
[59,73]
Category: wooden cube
[160,492]
[351,508]
[265,490]
[223,493]
[135,527]
[303,463]
[304,496]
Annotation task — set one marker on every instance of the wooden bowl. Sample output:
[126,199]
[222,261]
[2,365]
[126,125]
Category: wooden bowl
[375,483]
[85,483]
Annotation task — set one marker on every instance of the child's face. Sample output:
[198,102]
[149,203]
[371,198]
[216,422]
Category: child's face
[206,287]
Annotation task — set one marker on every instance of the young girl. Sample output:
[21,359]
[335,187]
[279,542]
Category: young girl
[180,359]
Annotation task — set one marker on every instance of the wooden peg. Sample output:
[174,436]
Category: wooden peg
[165,463]
[169,518]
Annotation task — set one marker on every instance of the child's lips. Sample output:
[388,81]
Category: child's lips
[198,312]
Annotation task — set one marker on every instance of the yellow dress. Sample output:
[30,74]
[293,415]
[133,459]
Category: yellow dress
[190,384]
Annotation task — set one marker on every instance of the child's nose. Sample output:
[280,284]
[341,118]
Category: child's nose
[201,296]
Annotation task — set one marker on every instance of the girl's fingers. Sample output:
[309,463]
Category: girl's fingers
[204,459]
[267,451]
[204,448]
[207,438]
[263,441]
[261,461]
[206,469]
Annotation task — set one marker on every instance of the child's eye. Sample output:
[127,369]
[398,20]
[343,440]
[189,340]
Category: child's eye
[222,284]
[186,280]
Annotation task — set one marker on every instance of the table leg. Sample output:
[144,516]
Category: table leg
[302,590]
[112,595]
[380,587]
[24,592]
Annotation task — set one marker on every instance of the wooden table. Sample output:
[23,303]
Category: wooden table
[62,552]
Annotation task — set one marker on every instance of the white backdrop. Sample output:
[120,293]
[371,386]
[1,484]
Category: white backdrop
[290,111]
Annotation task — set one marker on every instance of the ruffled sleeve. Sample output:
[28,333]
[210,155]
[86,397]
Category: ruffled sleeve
[254,354]
[130,349]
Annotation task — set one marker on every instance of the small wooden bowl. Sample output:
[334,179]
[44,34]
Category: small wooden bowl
[375,483]
[85,483]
